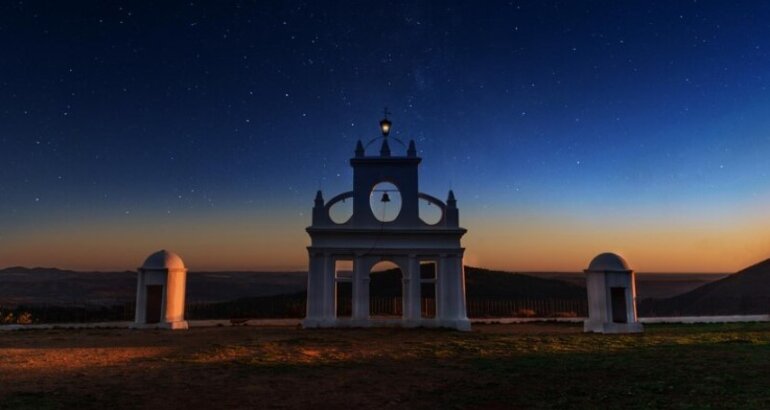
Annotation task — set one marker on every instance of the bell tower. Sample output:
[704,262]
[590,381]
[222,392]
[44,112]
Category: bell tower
[400,172]
[386,226]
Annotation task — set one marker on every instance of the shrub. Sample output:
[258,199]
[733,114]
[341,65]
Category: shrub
[24,318]
[525,313]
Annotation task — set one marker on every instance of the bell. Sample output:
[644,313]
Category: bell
[385,197]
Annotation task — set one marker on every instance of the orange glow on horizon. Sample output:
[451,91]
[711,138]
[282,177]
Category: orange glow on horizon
[239,241]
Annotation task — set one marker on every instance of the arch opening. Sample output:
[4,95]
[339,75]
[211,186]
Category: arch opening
[343,288]
[386,290]
[428,290]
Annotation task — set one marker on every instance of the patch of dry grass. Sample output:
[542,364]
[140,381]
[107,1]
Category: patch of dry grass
[496,366]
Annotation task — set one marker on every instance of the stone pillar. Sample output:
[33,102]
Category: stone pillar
[174,299]
[140,313]
[405,294]
[441,278]
[412,290]
[631,299]
[598,306]
[451,278]
[460,308]
[360,289]
[450,288]
[315,285]
[329,313]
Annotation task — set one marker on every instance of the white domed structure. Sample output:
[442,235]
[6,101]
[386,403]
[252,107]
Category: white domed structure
[611,287]
[608,262]
[160,292]
[163,259]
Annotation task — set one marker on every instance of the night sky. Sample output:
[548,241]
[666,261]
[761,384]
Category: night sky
[564,128]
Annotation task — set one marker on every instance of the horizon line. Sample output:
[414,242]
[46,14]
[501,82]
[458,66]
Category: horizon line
[218,270]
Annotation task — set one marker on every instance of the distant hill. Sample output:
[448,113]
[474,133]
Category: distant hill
[500,293]
[19,285]
[51,286]
[484,283]
[742,293]
[745,291]
[657,285]
[496,284]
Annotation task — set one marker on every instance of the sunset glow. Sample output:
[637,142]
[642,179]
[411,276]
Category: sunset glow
[564,131]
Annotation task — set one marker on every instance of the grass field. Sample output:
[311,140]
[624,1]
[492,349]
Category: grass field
[495,366]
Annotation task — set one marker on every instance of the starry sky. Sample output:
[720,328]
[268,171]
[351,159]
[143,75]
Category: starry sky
[564,128]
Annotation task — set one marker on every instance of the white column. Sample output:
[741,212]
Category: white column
[405,279]
[315,284]
[329,304]
[453,314]
[598,302]
[360,289]
[632,298]
[461,309]
[442,310]
[141,302]
[607,298]
[412,290]
[452,287]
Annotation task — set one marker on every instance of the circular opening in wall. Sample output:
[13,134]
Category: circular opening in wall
[341,211]
[385,201]
[430,213]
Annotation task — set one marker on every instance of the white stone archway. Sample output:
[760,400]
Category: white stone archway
[403,239]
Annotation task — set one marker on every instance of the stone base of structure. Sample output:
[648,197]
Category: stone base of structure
[609,327]
[180,325]
[457,324]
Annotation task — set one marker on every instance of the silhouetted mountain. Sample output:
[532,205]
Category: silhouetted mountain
[484,283]
[496,284]
[481,285]
[20,285]
[657,285]
[22,269]
[51,286]
[742,293]
[745,291]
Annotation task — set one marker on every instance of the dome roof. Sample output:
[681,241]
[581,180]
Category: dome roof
[163,259]
[608,262]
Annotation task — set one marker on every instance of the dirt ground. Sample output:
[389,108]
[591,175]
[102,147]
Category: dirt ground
[495,366]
